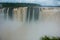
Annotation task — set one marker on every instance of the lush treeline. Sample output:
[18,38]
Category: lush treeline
[18,4]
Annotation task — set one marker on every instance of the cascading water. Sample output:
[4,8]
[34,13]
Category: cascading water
[40,23]
[32,14]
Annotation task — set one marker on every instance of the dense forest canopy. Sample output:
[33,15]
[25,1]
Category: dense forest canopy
[18,4]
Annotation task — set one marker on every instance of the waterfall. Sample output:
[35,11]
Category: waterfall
[32,14]
[7,13]
[48,24]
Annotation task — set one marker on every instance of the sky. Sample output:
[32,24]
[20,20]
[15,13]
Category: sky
[41,2]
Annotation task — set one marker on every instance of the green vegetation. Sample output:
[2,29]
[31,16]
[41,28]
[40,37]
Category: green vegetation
[18,4]
[50,38]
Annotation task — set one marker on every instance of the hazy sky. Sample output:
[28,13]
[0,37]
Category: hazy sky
[42,2]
